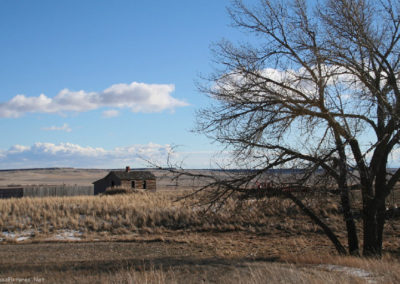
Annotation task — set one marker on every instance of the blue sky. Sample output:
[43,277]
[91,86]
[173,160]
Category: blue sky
[103,84]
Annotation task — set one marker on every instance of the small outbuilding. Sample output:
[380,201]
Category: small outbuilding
[10,192]
[133,179]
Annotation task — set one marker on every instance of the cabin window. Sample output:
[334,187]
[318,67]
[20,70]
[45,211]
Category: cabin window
[144,184]
[133,185]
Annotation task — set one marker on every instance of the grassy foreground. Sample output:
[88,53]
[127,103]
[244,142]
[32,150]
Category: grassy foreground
[151,238]
[151,213]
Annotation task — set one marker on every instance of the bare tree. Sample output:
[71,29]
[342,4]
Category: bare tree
[316,89]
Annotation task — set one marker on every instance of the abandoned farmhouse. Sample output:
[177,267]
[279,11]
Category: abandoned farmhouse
[128,179]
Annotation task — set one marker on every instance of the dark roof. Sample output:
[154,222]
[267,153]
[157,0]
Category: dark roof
[141,175]
[131,175]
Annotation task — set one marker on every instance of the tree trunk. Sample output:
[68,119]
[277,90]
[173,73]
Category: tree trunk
[375,213]
[352,237]
[371,247]
[381,192]
[381,223]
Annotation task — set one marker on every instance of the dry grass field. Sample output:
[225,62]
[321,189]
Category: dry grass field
[152,238]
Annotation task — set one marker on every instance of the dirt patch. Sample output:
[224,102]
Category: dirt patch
[182,257]
[62,260]
[193,261]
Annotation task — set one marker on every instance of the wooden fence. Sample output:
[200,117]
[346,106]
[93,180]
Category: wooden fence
[46,190]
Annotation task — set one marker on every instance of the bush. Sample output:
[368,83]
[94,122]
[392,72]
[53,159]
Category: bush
[119,190]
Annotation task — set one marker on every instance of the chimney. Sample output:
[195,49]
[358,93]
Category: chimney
[127,169]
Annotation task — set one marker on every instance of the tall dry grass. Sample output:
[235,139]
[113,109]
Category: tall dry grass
[256,273]
[150,212]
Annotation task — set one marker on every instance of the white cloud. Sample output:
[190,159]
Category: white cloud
[17,149]
[394,158]
[284,82]
[110,113]
[41,155]
[138,97]
[73,155]
[65,127]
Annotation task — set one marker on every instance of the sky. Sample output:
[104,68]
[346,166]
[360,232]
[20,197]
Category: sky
[106,84]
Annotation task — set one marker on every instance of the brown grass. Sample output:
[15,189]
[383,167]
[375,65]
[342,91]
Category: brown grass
[247,272]
[178,242]
[151,212]
[261,273]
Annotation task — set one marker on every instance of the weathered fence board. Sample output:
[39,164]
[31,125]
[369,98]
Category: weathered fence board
[59,190]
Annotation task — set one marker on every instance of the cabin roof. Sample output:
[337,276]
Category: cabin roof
[141,175]
[131,175]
